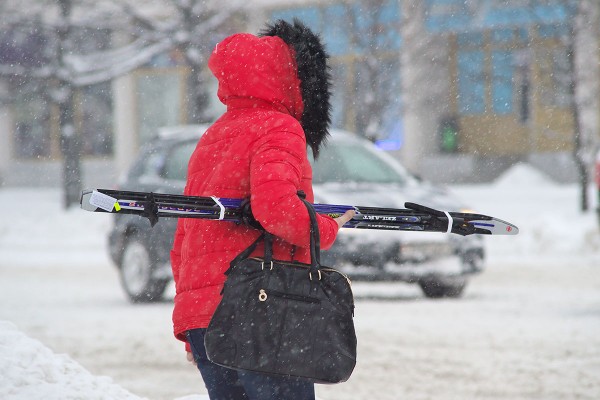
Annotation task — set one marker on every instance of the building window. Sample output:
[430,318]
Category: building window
[311,16]
[32,123]
[37,127]
[382,88]
[336,17]
[93,113]
[502,82]
[37,130]
[555,77]
[553,31]
[160,97]
[355,32]
[555,71]
[486,64]
[341,98]
[446,15]
[471,84]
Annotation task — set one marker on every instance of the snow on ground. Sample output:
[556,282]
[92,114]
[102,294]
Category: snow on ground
[504,340]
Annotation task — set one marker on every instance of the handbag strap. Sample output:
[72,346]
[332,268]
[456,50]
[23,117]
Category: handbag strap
[246,253]
[315,236]
[315,239]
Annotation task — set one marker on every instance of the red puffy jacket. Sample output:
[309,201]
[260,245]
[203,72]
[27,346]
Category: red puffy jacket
[256,150]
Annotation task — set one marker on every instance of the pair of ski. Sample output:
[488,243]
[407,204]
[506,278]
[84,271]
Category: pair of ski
[414,217]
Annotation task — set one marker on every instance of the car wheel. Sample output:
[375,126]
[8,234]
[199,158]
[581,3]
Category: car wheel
[473,261]
[136,272]
[443,286]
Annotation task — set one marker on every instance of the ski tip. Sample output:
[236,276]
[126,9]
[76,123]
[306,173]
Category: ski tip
[84,201]
[94,200]
[496,226]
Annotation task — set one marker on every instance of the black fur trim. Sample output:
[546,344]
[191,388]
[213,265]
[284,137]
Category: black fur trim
[314,75]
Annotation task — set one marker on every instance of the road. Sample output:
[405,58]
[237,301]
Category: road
[522,331]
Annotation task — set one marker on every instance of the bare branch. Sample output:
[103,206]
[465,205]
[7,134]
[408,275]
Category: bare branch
[121,66]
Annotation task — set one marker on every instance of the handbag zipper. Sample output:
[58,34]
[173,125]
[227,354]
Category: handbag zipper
[306,266]
[262,296]
[341,273]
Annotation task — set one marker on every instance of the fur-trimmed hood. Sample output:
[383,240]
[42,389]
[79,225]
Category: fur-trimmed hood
[285,65]
[314,75]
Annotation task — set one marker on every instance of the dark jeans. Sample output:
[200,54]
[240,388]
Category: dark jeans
[229,384]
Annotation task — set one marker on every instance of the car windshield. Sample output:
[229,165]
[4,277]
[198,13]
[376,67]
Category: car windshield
[353,162]
[177,161]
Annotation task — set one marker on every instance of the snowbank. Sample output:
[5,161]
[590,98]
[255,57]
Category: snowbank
[552,227]
[31,371]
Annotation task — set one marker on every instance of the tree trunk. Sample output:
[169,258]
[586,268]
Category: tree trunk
[69,139]
[579,142]
[71,150]
[198,98]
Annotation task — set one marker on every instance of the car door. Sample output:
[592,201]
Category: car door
[169,177]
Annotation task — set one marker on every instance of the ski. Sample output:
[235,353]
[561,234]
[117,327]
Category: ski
[414,217]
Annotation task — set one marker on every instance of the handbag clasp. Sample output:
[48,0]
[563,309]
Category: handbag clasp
[262,295]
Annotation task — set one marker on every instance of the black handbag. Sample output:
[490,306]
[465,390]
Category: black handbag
[285,318]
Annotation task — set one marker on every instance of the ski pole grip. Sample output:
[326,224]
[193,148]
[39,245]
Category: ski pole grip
[247,216]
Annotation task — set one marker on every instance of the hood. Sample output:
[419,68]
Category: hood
[286,66]
[249,67]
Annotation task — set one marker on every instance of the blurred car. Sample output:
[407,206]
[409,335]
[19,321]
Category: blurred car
[350,171]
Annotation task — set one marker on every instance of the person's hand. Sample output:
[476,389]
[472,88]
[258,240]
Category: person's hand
[190,357]
[341,220]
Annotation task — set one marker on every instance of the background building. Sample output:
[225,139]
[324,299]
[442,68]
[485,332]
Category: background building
[458,90]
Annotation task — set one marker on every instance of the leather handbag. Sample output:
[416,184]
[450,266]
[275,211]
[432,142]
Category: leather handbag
[285,318]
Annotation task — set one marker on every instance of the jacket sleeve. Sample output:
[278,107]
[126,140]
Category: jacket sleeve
[275,178]
[176,260]
[176,250]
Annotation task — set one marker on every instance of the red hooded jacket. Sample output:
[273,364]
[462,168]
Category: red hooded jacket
[257,149]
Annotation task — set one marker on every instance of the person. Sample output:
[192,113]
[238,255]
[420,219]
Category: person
[276,87]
